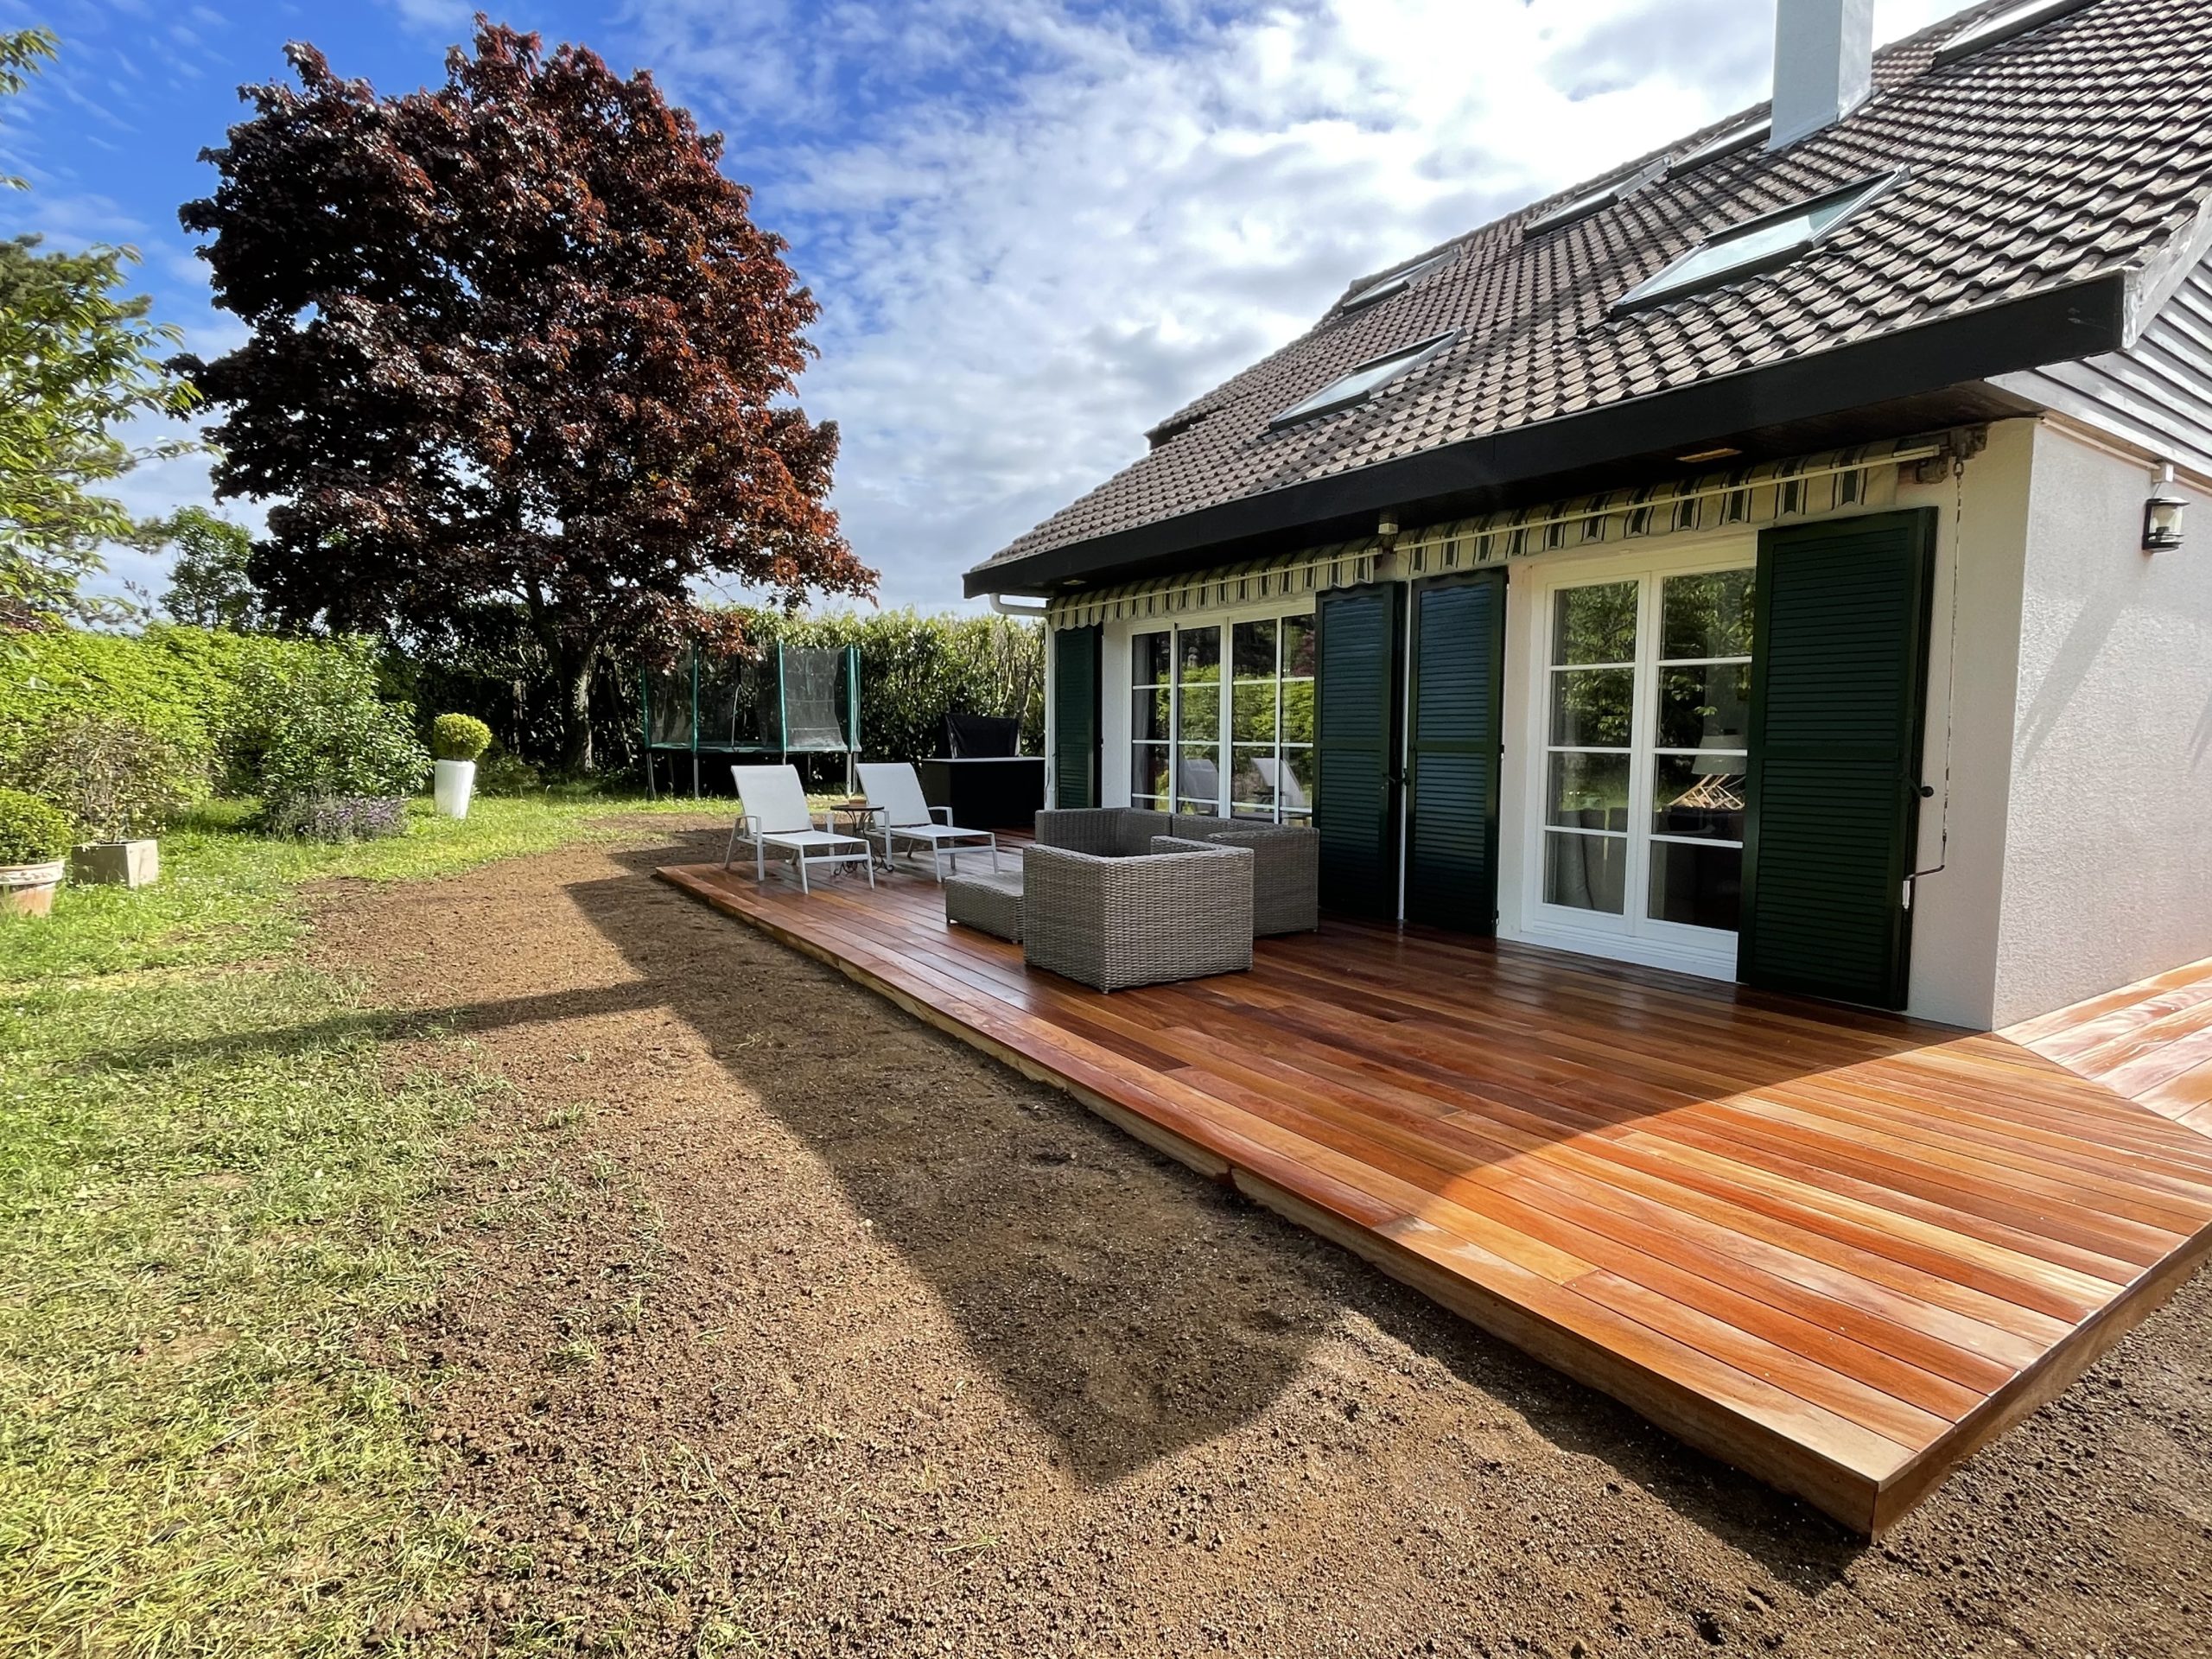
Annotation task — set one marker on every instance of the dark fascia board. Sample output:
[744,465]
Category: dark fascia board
[2082,320]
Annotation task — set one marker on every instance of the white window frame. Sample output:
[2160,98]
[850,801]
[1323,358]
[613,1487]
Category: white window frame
[1117,736]
[1632,936]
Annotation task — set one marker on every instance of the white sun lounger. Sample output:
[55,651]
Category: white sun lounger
[773,817]
[910,820]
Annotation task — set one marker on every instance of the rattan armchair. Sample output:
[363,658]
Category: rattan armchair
[1180,910]
[1286,858]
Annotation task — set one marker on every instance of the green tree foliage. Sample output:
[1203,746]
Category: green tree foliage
[77,358]
[208,584]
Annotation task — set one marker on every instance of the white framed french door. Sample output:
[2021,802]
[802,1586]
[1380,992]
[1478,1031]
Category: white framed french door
[1637,718]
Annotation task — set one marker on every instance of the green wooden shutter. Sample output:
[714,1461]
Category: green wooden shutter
[1839,684]
[1357,668]
[1075,718]
[1458,636]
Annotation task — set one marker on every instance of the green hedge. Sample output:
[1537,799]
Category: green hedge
[225,700]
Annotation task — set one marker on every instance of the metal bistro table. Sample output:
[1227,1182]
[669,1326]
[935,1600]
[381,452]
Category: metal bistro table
[861,820]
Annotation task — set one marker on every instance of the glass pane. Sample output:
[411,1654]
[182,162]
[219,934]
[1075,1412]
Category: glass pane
[1148,775]
[1252,783]
[1297,711]
[1149,659]
[1201,716]
[1708,615]
[1589,792]
[1709,706]
[1252,711]
[1595,624]
[1252,649]
[1197,777]
[1586,872]
[1297,645]
[1697,886]
[1699,795]
[1590,707]
[1149,715]
[1296,779]
[1199,651]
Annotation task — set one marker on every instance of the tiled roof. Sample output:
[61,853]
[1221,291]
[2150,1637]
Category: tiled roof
[2038,162]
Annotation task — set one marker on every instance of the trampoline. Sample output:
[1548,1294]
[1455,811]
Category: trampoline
[790,700]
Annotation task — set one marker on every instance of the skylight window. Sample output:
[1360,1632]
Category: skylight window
[1726,142]
[1593,201]
[1397,282]
[2028,15]
[1362,382]
[1581,208]
[1761,244]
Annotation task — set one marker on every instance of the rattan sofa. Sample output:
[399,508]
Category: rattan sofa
[1180,910]
[1286,858]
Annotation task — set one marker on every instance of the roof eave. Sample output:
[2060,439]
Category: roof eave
[2058,325]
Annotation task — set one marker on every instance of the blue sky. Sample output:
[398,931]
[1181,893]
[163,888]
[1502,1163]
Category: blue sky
[1035,225]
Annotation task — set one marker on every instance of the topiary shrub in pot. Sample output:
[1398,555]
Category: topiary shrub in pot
[34,836]
[119,779]
[456,740]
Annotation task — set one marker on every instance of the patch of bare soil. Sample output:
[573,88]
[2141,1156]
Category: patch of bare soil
[787,1325]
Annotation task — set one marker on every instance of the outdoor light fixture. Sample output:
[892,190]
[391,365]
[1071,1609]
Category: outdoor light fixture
[2162,514]
[1386,529]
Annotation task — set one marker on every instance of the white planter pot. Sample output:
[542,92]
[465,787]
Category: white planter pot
[28,889]
[454,783]
[116,864]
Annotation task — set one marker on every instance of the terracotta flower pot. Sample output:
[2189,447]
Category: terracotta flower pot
[28,889]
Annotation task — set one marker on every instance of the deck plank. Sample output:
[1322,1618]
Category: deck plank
[1838,1248]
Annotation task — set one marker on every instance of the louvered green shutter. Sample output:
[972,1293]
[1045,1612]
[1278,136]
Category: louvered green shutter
[1838,685]
[1358,688]
[1075,718]
[1451,779]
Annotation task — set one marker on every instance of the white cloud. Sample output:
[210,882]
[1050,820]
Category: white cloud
[1036,228]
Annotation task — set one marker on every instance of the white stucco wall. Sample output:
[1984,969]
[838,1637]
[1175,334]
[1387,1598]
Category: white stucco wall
[1966,750]
[2109,853]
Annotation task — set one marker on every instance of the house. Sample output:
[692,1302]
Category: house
[1760,561]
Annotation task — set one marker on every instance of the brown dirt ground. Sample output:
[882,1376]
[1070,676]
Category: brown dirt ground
[785,1323]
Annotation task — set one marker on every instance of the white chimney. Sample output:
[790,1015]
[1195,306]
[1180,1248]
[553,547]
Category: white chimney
[1823,65]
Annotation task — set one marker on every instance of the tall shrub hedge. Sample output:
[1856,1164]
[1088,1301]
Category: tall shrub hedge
[236,704]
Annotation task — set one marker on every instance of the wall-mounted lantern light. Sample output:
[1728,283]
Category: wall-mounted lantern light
[2161,515]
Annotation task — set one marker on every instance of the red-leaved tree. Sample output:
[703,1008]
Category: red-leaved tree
[516,347]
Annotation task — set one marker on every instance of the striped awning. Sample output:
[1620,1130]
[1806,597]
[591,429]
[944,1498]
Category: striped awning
[1806,486]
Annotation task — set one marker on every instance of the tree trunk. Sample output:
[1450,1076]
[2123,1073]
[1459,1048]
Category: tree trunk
[576,719]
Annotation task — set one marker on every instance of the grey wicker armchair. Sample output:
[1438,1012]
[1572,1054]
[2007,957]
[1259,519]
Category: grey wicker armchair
[1286,858]
[1182,910]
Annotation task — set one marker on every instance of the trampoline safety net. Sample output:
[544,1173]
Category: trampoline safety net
[788,701]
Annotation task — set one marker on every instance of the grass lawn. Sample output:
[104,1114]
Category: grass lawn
[213,1193]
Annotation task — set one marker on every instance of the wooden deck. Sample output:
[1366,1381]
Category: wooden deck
[2152,1043]
[1838,1250]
